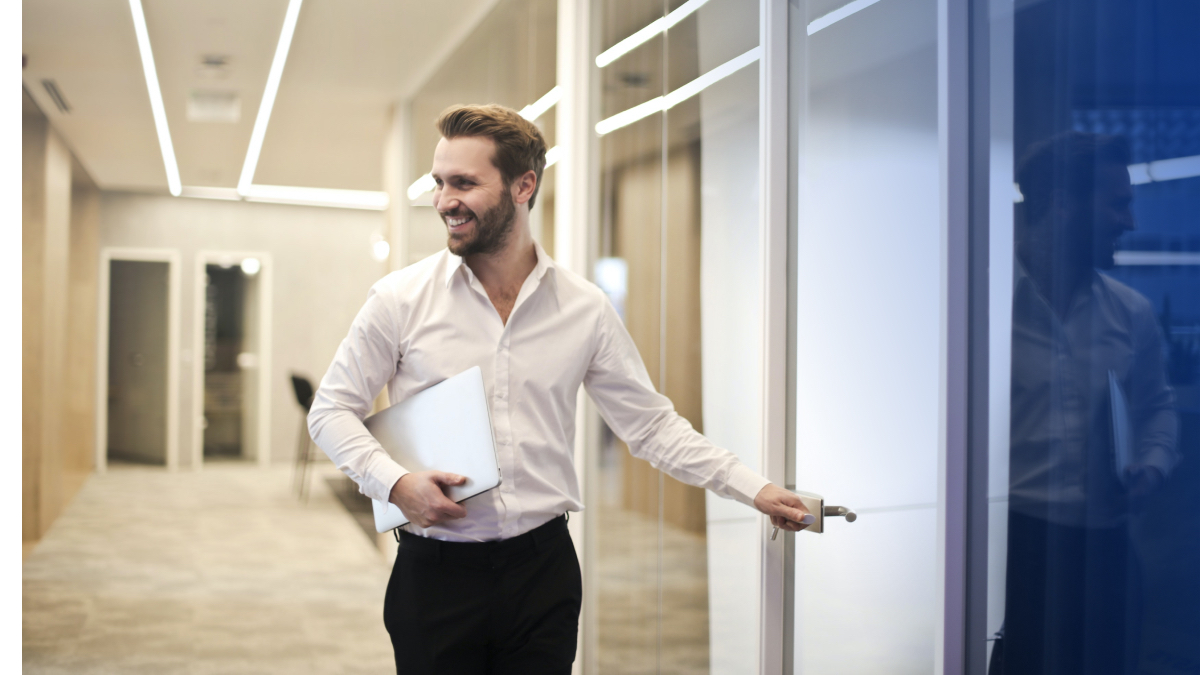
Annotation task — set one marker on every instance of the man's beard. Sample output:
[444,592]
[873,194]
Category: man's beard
[491,232]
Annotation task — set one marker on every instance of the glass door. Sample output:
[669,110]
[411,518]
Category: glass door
[867,342]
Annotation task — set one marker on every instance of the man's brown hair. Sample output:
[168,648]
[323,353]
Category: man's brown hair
[519,144]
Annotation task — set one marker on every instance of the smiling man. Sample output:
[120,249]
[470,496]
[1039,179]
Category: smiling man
[492,585]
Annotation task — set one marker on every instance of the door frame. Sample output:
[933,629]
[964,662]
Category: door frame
[170,256]
[199,284]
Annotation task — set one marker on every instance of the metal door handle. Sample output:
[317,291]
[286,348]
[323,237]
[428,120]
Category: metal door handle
[831,511]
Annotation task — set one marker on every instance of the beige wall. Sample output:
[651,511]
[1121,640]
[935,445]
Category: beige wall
[58,231]
[322,271]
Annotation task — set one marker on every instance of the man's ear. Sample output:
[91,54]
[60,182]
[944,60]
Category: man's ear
[523,187]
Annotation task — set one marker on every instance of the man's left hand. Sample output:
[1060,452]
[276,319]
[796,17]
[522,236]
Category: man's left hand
[786,510]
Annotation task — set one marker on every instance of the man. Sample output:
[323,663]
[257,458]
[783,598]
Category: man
[492,584]
[1080,341]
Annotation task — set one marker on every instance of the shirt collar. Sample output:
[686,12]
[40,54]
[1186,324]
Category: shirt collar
[544,264]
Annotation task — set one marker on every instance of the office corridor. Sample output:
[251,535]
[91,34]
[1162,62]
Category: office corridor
[218,571]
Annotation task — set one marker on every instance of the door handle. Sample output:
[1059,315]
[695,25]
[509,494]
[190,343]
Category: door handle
[815,504]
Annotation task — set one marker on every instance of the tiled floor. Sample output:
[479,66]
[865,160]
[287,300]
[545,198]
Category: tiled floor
[218,571]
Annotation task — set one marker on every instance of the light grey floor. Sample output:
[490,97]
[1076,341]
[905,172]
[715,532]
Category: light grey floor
[217,571]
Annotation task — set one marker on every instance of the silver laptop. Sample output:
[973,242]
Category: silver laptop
[446,427]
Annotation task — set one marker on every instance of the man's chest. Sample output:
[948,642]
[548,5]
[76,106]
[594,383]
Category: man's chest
[541,353]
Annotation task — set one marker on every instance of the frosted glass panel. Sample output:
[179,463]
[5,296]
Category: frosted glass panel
[868,261]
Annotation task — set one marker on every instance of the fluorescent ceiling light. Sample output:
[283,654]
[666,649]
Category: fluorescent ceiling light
[661,103]
[530,112]
[421,186]
[539,107]
[552,156]
[268,99]
[1156,258]
[350,199]
[839,14]
[1164,169]
[642,36]
[1174,169]
[156,101]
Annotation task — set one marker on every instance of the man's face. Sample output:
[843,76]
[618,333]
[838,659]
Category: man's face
[1095,222]
[471,196]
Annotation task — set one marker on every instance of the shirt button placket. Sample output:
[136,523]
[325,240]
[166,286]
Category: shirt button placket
[504,437]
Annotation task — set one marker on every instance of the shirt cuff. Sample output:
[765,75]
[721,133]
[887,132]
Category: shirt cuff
[744,484]
[384,480]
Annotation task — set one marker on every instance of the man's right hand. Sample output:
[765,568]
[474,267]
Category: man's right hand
[422,498]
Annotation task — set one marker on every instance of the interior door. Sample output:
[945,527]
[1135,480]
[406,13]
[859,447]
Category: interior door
[137,362]
[867,249]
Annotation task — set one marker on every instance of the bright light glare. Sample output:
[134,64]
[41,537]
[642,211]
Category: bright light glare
[539,107]
[156,101]
[421,185]
[657,26]
[251,266]
[268,99]
[553,155]
[350,199]
[839,14]
[380,250]
[660,103]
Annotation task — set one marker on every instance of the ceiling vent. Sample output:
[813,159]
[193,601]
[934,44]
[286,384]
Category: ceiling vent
[214,106]
[56,96]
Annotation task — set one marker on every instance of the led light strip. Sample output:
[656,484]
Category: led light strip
[839,14]
[1164,169]
[530,112]
[642,36]
[661,103]
[156,100]
[268,99]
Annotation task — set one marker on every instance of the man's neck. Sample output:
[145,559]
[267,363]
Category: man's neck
[507,268]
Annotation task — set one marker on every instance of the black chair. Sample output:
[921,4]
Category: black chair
[304,454]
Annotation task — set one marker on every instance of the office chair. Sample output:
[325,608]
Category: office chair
[304,454]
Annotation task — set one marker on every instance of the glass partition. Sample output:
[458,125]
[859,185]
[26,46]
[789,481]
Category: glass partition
[679,253]
[1094,459]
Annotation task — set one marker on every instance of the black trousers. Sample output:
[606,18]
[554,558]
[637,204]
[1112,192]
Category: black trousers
[495,607]
[1072,602]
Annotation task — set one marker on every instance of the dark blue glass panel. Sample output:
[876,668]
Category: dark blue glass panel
[1102,570]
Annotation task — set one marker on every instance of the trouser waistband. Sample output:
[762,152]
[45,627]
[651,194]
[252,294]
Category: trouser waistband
[484,551]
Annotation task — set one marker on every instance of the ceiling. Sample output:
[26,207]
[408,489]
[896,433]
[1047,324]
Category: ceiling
[350,61]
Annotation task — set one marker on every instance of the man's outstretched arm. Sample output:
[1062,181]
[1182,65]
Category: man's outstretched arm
[646,420]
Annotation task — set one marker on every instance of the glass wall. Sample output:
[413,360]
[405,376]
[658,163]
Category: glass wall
[679,254]
[1094,469]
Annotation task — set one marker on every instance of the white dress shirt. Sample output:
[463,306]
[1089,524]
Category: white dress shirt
[1061,463]
[432,320]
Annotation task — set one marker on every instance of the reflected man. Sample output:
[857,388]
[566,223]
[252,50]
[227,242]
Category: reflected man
[1093,427]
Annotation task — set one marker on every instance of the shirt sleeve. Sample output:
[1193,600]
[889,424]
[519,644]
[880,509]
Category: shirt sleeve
[1151,398]
[366,360]
[646,420]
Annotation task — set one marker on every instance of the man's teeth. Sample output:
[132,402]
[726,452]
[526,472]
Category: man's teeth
[455,222]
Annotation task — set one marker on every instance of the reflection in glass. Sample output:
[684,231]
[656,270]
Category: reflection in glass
[1100,535]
